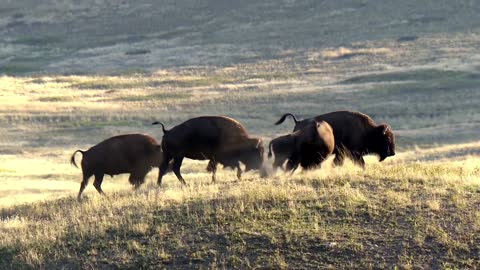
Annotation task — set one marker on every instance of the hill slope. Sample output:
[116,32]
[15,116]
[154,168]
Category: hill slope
[131,36]
[412,64]
[407,216]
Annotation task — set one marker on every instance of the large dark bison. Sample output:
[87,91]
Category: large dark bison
[307,147]
[218,139]
[135,154]
[356,135]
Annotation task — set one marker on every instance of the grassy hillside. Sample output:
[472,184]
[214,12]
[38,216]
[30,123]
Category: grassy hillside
[414,65]
[118,37]
[397,215]
[418,209]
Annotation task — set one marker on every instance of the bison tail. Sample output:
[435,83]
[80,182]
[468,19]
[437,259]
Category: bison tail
[270,150]
[72,159]
[163,126]
[284,117]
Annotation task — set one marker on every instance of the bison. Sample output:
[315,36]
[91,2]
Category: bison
[307,147]
[356,135]
[135,154]
[218,139]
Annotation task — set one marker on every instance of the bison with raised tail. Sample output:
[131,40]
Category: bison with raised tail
[356,135]
[135,154]
[307,147]
[218,139]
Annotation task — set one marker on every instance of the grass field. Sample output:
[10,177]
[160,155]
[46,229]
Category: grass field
[415,66]
[332,218]
[419,209]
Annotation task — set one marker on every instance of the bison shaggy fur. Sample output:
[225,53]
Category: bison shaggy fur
[356,135]
[307,147]
[135,154]
[218,139]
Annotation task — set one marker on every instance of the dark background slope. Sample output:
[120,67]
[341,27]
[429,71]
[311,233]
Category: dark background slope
[112,37]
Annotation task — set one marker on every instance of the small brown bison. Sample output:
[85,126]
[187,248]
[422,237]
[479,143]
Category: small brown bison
[218,139]
[135,154]
[356,135]
[307,147]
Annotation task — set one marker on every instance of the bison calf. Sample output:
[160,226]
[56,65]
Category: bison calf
[218,139]
[135,154]
[307,147]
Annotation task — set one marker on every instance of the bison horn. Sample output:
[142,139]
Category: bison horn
[259,142]
[385,129]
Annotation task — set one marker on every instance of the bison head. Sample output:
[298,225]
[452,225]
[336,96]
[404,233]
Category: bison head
[382,142]
[385,142]
[252,155]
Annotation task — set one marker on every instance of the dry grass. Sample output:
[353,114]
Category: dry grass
[416,210]
[343,52]
[333,217]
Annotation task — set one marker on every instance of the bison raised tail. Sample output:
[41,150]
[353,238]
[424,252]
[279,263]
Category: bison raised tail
[163,126]
[284,117]
[72,159]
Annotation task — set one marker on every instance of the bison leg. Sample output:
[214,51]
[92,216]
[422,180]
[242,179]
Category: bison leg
[292,166]
[212,167]
[293,162]
[339,158]
[239,172]
[177,163]
[133,180]
[163,169]
[278,162]
[358,159]
[137,179]
[84,183]
[97,183]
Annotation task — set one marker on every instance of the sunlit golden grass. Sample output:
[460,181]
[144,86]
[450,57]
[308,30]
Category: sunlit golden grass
[346,52]
[418,209]
[77,95]
[343,211]
[51,176]
[304,206]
